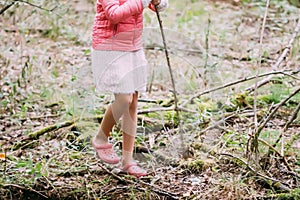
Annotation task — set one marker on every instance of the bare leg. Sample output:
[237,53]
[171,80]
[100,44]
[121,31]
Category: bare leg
[112,115]
[129,124]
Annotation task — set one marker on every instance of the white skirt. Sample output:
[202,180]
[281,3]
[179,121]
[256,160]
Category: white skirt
[120,72]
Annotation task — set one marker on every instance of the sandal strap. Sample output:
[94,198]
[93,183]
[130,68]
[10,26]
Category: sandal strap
[126,167]
[102,146]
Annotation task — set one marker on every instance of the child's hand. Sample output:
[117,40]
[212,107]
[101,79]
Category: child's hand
[155,2]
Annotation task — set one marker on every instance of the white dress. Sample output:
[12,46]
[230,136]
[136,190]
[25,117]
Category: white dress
[120,72]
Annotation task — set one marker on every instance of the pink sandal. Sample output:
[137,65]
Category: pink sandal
[106,153]
[134,169]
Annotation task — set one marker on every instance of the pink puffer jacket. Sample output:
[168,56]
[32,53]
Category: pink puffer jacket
[118,25]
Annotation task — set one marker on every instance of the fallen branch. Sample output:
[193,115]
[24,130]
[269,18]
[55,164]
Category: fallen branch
[288,47]
[123,180]
[28,139]
[214,125]
[267,80]
[197,95]
[36,134]
[292,75]
[172,108]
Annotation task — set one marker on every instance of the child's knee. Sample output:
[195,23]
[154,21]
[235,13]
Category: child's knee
[124,99]
[134,102]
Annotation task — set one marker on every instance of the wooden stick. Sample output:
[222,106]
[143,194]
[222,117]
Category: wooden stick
[159,109]
[252,143]
[169,64]
[172,78]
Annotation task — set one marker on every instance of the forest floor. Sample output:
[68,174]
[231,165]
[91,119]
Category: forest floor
[49,108]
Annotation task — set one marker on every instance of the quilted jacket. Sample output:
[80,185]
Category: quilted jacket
[118,25]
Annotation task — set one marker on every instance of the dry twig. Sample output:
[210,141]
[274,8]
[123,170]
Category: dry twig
[2,11]
[255,137]
[169,65]
[258,68]
[264,123]
[197,95]
[292,118]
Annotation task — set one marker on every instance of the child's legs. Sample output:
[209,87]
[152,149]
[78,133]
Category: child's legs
[129,124]
[112,115]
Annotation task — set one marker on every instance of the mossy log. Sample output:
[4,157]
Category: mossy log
[37,134]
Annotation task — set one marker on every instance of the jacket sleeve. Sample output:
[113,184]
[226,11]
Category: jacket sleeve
[116,12]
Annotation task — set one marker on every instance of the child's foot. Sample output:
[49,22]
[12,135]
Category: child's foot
[106,152]
[134,170]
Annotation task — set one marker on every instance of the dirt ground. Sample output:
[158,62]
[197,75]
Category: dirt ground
[49,107]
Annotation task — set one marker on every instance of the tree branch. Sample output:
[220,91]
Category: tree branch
[7,7]
[197,95]
[36,6]
[2,11]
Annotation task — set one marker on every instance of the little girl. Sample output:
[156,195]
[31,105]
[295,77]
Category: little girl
[119,67]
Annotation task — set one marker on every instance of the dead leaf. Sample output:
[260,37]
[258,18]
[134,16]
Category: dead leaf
[2,156]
